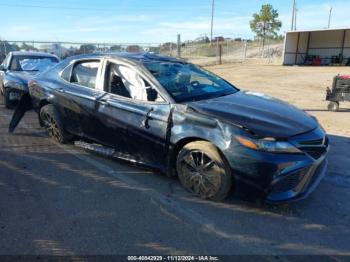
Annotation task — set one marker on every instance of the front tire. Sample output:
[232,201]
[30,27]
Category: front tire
[203,171]
[52,121]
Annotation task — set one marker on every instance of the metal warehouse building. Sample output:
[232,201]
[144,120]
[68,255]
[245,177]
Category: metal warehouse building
[317,47]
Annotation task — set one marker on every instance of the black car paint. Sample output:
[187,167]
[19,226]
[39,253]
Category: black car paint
[21,78]
[265,116]
[152,133]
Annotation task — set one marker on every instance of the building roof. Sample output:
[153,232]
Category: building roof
[318,30]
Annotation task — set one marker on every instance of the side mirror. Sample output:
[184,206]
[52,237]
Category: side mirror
[2,68]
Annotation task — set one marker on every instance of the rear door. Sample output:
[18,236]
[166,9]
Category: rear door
[77,95]
[134,114]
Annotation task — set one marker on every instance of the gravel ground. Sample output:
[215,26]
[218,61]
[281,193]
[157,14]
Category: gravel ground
[304,87]
[59,200]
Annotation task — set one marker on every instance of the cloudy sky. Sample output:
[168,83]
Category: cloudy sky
[152,21]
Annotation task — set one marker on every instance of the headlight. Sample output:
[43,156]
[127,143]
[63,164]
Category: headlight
[267,144]
[16,85]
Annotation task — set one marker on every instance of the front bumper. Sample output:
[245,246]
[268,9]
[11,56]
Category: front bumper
[281,178]
[297,184]
[16,93]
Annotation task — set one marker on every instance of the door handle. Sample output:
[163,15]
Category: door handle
[144,123]
[61,90]
[103,102]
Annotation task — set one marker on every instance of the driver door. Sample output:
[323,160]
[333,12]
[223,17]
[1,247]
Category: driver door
[134,115]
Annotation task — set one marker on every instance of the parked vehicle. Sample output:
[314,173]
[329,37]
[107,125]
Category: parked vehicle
[183,120]
[202,40]
[17,69]
[340,92]
[218,39]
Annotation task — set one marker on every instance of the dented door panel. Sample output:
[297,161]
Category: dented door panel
[136,128]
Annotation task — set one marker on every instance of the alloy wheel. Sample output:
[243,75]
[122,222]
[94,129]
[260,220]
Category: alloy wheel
[200,174]
[51,126]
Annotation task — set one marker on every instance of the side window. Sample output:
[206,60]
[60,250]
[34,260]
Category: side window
[85,73]
[5,63]
[125,81]
[15,65]
[67,72]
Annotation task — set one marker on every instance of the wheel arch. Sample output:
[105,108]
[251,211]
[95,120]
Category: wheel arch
[171,166]
[41,104]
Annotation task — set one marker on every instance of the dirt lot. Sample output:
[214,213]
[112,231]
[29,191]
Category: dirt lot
[303,87]
[59,200]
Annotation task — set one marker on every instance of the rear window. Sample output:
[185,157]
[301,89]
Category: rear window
[85,73]
[32,63]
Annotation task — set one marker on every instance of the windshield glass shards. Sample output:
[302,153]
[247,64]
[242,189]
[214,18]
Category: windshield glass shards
[187,82]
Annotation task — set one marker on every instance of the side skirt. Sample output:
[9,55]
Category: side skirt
[112,153]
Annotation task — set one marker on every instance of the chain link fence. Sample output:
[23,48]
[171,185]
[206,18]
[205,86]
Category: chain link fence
[232,51]
[228,51]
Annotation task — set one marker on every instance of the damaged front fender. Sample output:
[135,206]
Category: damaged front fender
[189,123]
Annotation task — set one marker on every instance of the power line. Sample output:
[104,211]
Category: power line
[54,7]
[84,8]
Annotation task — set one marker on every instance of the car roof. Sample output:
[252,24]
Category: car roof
[32,53]
[142,57]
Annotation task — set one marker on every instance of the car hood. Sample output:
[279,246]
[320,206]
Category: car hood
[263,115]
[22,76]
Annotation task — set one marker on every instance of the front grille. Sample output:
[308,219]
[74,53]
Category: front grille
[289,182]
[312,142]
[314,148]
[314,152]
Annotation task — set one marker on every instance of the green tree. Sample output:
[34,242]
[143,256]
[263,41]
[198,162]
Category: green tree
[266,23]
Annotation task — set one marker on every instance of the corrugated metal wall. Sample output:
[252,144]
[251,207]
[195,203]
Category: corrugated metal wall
[326,44]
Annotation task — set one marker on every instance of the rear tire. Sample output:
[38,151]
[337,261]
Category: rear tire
[53,123]
[333,106]
[203,171]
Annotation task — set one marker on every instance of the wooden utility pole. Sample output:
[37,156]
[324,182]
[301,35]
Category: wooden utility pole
[179,45]
[330,17]
[295,18]
[212,20]
[293,15]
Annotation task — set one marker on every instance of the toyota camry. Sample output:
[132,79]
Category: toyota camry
[182,120]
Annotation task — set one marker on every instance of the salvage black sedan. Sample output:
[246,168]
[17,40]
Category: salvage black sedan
[185,121]
[17,69]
